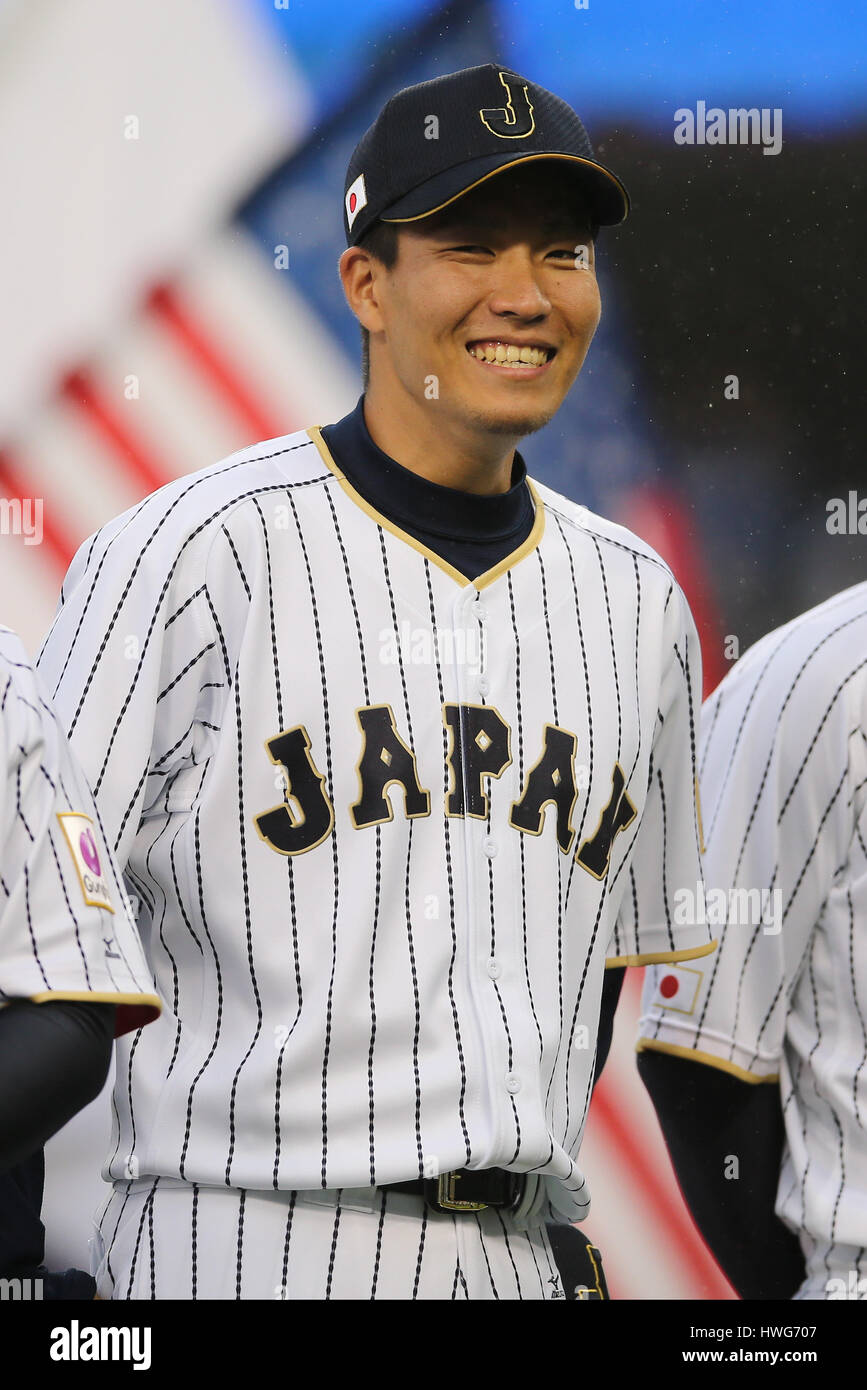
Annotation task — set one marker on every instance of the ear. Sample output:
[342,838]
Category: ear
[361,276]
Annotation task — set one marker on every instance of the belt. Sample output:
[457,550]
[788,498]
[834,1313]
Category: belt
[466,1189]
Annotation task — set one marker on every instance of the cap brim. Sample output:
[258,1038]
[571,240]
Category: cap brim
[607,198]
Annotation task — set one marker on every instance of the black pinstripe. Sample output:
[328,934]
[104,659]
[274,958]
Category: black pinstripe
[216,1038]
[377,886]
[145,1212]
[153,1266]
[613,877]
[162,939]
[859,1009]
[409,935]
[450,879]
[524,924]
[314,609]
[421,1236]
[383,1200]
[288,1237]
[239,1253]
[110,1243]
[334,1234]
[248,926]
[502,1225]
[194,1250]
[588,702]
[484,1250]
[510,1051]
[290,869]
[529,1241]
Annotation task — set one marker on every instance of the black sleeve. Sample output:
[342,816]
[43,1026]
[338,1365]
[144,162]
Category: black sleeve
[611,988]
[710,1118]
[22,1235]
[54,1059]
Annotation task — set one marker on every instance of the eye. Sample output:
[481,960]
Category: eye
[472,250]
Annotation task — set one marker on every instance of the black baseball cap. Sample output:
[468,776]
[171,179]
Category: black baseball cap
[435,141]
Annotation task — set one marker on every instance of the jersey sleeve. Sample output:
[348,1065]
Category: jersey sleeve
[779,790]
[136,662]
[665,864]
[66,926]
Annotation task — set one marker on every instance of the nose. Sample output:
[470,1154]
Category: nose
[517,288]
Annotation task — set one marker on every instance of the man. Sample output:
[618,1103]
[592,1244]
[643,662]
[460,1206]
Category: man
[72,972]
[395,745]
[757,1062]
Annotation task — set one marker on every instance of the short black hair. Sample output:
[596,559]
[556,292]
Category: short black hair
[382,243]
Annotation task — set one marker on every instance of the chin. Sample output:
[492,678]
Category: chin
[517,422]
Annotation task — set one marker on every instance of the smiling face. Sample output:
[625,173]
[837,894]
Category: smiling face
[496,297]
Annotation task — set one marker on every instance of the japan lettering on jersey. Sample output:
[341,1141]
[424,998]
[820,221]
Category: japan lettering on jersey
[784,791]
[386,824]
[66,926]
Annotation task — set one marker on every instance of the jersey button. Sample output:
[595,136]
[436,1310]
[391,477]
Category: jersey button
[490,847]
[495,969]
[513,1083]
[484,685]
[481,612]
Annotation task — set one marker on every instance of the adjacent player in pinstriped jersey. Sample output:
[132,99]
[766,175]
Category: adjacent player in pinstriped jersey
[72,971]
[395,764]
[784,783]
[66,931]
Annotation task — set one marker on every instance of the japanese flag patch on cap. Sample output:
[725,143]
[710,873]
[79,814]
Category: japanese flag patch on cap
[676,988]
[356,199]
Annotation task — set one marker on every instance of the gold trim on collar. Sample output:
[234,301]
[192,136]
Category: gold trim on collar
[483,580]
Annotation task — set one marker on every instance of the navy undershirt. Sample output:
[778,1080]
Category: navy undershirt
[471,532]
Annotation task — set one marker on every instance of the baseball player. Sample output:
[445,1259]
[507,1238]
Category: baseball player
[396,746]
[72,971]
[757,1060]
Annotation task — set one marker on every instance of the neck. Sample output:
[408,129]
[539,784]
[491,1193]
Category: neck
[427,443]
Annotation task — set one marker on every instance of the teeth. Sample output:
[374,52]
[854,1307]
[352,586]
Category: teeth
[509,354]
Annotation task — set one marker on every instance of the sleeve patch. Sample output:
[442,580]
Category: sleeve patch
[677,988]
[78,832]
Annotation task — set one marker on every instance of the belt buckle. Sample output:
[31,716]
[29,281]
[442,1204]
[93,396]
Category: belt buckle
[446,1199]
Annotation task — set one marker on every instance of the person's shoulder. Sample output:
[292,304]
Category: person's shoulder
[14,661]
[182,517]
[808,674]
[21,693]
[269,466]
[825,642]
[837,620]
[582,528]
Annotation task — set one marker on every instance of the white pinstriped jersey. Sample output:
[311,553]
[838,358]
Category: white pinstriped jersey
[784,792]
[385,824]
[66,926]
